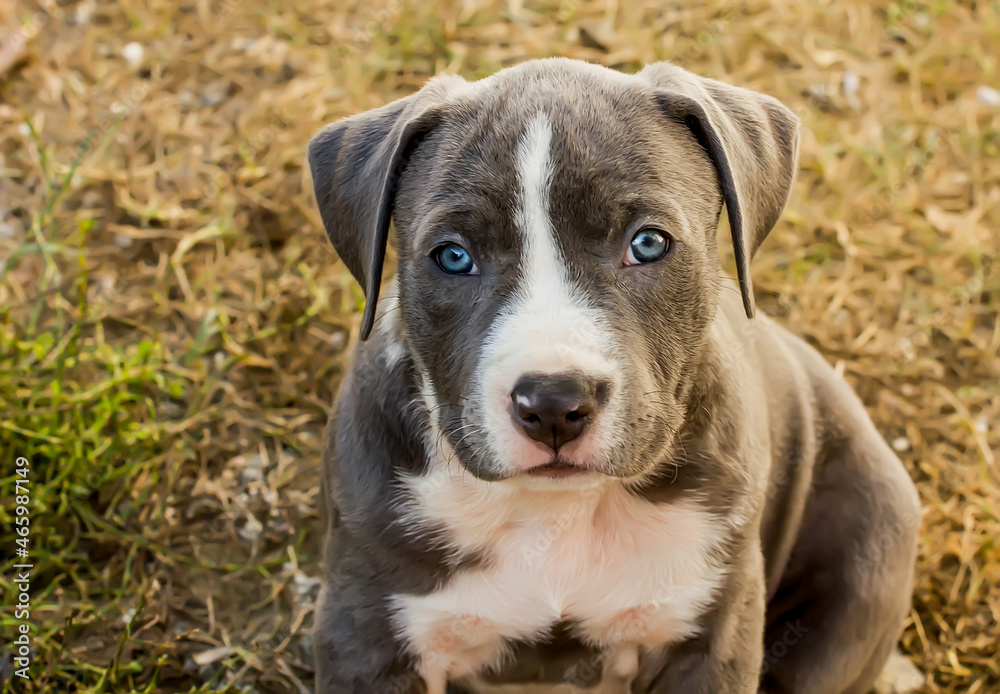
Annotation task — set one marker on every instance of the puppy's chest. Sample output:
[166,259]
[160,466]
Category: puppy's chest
[622,571]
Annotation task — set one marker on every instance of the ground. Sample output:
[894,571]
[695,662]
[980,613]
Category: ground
[173,324]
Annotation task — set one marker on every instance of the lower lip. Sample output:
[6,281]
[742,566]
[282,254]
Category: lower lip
[558,470]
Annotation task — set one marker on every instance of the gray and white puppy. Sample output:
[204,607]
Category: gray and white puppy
[568,457]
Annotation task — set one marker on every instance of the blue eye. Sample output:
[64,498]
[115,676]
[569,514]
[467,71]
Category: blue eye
[647,245]
[454,260]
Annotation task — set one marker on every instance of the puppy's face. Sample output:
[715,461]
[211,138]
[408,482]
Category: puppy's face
[557,269]
[557,275]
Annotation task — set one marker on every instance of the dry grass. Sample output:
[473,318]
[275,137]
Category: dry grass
[173,324]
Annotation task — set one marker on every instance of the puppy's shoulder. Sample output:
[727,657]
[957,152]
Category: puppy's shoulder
[799,381]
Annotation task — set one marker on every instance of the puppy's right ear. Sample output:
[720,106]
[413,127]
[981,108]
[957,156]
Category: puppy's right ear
[355,165]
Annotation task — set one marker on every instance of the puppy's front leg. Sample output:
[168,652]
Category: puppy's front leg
[356,651]
[726,658]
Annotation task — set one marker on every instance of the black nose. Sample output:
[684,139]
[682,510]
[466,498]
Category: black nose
[556,409]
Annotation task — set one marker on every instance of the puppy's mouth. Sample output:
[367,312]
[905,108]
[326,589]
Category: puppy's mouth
[559,469]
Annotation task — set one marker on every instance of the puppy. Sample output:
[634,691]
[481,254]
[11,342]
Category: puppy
[567,456]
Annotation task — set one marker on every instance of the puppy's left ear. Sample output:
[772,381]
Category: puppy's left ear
[356,164]
[752,141]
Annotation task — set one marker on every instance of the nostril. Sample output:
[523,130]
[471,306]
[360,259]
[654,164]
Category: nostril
[531,418]
[576,416]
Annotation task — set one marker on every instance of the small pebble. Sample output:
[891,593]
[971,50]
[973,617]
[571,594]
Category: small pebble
[24,130]
[133,53]
[84,11]
[851,83]
[901,444]
[304,584]
[981,424]
[988,96]
[908,349]
[214,94]
[251,531]
[270,498]
[250,475]
[338,340]
[899,676]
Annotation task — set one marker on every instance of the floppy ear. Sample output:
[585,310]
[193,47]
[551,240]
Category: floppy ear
[355,165]
[753,142]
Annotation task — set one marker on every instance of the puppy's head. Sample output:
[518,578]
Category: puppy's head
[557,263]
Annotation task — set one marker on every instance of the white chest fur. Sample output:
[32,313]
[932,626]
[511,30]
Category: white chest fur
[625,572]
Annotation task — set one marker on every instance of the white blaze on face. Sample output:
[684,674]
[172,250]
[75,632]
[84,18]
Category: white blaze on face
[547,329]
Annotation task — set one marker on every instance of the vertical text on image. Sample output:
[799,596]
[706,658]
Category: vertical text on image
[22,568]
